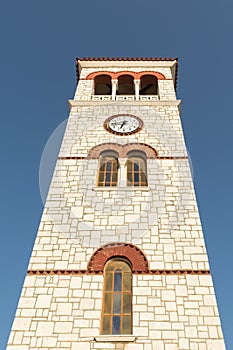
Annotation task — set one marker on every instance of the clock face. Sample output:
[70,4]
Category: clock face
[123,124]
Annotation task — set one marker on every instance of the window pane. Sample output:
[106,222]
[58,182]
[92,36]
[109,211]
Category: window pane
[110,267]
[108,177]
[117,303]
[129,165]
[129,178]
[136,167]
[108,165]
[107,303]
[102,168]
[136,177]
[127,282]
[101,176]
[106,325]
[125,267]
[126,325]
[116,325]
[108,285]
[126,303]
[143,179]
[117,281]
[114,165]
[114,178]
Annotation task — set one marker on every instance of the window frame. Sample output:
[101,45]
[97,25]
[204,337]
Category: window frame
[112,293]
[140,156]
[104,159]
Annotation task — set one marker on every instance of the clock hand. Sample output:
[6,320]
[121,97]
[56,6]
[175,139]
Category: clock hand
[124,122]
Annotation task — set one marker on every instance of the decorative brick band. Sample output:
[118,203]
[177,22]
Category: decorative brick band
[86,272]
[172,158]
[116,75]
[122,150]
[94,156]
[72,158]
[57,272]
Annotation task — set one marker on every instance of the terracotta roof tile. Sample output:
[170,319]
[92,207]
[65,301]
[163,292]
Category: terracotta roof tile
[126,59]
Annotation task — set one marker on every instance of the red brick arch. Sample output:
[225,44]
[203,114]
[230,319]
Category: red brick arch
[135,75]
[136,257]
[122,150]
[155,74]
[95,74]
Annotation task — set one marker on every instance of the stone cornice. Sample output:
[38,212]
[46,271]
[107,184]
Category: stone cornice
[82,103]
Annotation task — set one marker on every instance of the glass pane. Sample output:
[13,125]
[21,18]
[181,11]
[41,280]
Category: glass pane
[143,179]
[108,285]
[114,177]
[117,281]
[125,267]
[115,165]
[109,165]
[136,177]
[106,325]
[107,303]
[127,282]
[110,266]
[117,303]
[126,325]
[129,165]
[102,168]
[108,178]
[136,167]
[116,325]
[101,176]
[126,303]
[129,177]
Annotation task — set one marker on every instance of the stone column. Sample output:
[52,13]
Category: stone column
[137,88]
[122,172]
[114,88]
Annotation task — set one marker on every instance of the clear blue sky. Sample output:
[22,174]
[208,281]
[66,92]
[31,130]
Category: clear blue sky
[39,43]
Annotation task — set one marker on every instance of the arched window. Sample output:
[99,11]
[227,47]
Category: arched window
[108,169]
[125,85]
[117,298]
[103,85]
[149,85]
[136,169]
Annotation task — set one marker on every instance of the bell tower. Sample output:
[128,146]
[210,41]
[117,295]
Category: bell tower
[119,260]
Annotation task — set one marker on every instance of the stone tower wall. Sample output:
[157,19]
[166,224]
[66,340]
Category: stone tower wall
[174,305]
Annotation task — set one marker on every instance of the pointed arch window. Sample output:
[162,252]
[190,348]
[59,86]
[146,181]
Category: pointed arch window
[136,169]
[117,298]
[108,169]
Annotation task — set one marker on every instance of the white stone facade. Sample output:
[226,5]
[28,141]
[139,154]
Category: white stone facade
[170,312]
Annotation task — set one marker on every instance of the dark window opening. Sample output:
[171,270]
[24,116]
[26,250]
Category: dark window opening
[125,85]
[149,85]
[103,85]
